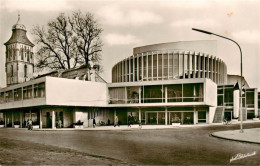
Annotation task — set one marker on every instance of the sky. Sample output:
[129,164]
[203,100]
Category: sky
[133,23]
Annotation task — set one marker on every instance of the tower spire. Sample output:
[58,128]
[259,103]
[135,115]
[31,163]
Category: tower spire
[18,17]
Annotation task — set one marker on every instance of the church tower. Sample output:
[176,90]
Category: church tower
[19,64]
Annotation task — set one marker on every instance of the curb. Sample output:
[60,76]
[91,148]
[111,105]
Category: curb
[230,139]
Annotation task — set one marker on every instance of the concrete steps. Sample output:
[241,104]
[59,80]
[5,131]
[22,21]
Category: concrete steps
[219,115]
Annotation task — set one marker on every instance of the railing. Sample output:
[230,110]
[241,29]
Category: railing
[156,100]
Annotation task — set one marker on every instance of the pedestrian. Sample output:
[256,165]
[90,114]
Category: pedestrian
[108,122]
[29,124]
[94,123]
[59,124]
[140,124]
[116,122]
[129,121]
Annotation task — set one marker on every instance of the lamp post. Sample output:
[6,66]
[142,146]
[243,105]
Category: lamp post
[241,71]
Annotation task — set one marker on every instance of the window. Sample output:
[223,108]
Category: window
[155,66]
[174,93]
[25,70]
[193,92]
[28,55]
[145,68]
[250,97]
[153,94]
[12,70]
[181,66]
[13,50]
[21,52]
[165,66]
[228,96]
[39,90]
[150,67]
[27,92]
[2,94]
[160,66]
[18,94]
[175,66]
[133,94]
[117,95]
[9,96]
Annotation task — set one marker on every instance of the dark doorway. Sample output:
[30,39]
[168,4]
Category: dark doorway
[152,118]
[228,116]
[48,120]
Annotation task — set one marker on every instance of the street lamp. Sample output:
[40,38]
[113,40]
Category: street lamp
[241,71]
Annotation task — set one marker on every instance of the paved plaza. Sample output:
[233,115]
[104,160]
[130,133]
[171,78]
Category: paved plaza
[165,146]
[248,135]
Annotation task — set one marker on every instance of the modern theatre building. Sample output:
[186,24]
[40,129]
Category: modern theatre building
[161,84]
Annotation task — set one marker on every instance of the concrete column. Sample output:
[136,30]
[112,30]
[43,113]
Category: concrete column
[147,66]
[21,119]
[152,65]
[256,102]
[166,116]
[126,95]
[195,117]
[157,117]
[207,117]
[142,68]
[123,72]
[40,119]
[162,65]
[188,64]
[212,111]
[12,119]
[203,66]
[208,66]
[129,68]
[157,65]
[53,120]
[125,62]
[166,95]
[133,68]
[236,103]
[212,61]
[140,118]
[115,116]
[140,95]
[5,119]
[137,64]
[199,64]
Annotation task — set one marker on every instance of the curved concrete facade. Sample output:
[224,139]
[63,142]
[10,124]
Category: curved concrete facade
[168,61]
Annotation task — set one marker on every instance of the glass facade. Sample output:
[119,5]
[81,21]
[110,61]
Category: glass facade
[225,95]
[23,93]
[159,65]
[157,94]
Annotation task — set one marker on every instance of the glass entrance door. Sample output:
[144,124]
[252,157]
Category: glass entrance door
[161,118]
[152,118]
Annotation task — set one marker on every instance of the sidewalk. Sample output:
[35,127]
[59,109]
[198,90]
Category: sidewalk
[249,135]
[136,127]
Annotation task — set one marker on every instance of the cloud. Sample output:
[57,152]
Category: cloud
[114,16]
[195,23]
[248,36]
[184,4]
[35,5]
[119,39]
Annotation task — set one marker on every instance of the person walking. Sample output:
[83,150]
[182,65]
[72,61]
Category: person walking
[116,122]
[94,123]
[30,124]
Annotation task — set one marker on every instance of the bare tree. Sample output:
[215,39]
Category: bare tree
[87,36]
[68,42]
